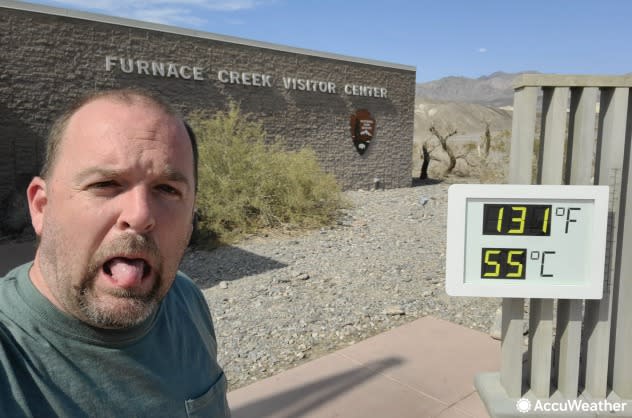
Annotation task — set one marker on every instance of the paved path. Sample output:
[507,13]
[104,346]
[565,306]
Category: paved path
[422,369]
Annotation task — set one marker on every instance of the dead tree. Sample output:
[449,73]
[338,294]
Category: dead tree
[424,165]
[483,149]
[443,140]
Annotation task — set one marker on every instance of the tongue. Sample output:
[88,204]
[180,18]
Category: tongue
[127,273]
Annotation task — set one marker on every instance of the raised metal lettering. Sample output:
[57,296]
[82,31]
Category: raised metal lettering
[186,72]
[256,79]
[109,62]
[222,75]
[158,68]
[130,65]
[143,67]
[172,71]
[153,68]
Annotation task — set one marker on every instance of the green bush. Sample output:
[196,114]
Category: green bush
[246,185]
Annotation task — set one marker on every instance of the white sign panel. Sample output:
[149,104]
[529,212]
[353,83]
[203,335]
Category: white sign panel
[526,241]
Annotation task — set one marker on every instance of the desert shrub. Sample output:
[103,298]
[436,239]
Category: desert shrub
[493,166]
[247,185]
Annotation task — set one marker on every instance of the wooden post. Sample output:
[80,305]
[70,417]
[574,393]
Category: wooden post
[521,160]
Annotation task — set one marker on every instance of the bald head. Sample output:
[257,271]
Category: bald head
[124,96]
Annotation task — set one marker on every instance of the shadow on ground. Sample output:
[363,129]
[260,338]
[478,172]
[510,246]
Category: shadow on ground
[208,268]
[298,402]
[425,182]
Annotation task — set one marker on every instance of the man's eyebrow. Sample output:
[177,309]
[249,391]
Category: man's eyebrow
[168,173]
[96,171]
[172,174]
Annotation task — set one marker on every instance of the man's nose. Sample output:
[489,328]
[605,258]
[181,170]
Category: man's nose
[137,212]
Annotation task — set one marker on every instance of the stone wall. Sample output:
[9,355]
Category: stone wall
[48,59]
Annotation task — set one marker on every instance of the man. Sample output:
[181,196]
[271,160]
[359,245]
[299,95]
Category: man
[101,323]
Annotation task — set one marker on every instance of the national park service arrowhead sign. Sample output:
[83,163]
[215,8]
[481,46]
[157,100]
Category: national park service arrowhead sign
[362,129]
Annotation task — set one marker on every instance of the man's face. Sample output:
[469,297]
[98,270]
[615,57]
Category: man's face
[115,214]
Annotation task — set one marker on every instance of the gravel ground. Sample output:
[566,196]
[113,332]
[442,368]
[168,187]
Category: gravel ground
[280,301]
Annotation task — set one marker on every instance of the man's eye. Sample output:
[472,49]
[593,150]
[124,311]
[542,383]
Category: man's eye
[103,184]
[165,188]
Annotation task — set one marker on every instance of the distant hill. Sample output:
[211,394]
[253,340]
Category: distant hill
[463,104]
[491,90]
[469,119]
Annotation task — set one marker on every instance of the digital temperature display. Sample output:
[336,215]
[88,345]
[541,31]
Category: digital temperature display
[526,241]
[503,263]
[512,219]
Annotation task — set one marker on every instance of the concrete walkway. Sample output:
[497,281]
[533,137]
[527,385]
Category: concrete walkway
[422,369]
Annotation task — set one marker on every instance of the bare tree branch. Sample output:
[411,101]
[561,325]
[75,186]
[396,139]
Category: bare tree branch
[443,140]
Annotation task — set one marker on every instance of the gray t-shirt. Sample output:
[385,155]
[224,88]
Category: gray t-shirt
[52,364]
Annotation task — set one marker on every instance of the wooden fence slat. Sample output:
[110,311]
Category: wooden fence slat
[581,136]
[581,141]
[521,159]
[621,360]
[553,135]
[567,346]
[612,123]
[552,141]
[540,343]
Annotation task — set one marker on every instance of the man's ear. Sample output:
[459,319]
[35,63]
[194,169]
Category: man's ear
[36,195]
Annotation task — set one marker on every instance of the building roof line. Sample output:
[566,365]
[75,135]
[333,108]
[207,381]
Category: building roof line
[39,8]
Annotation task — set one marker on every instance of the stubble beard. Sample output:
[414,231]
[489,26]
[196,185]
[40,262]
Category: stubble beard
[121,308]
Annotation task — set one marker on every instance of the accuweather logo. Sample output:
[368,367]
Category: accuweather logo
[524,406]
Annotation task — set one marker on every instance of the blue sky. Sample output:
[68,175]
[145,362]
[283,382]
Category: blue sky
[441,38]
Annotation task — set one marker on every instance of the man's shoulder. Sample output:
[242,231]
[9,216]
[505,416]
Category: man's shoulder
[185,299]
[13,311]
[16,272]
[185,291]
[9,284]
[183,284]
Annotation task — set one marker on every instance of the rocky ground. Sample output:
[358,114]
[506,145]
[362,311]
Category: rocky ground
[281,301]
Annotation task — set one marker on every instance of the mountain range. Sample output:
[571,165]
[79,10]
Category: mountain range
[492,90]
[466,105]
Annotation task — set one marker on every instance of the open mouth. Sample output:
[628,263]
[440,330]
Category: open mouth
[127,272]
